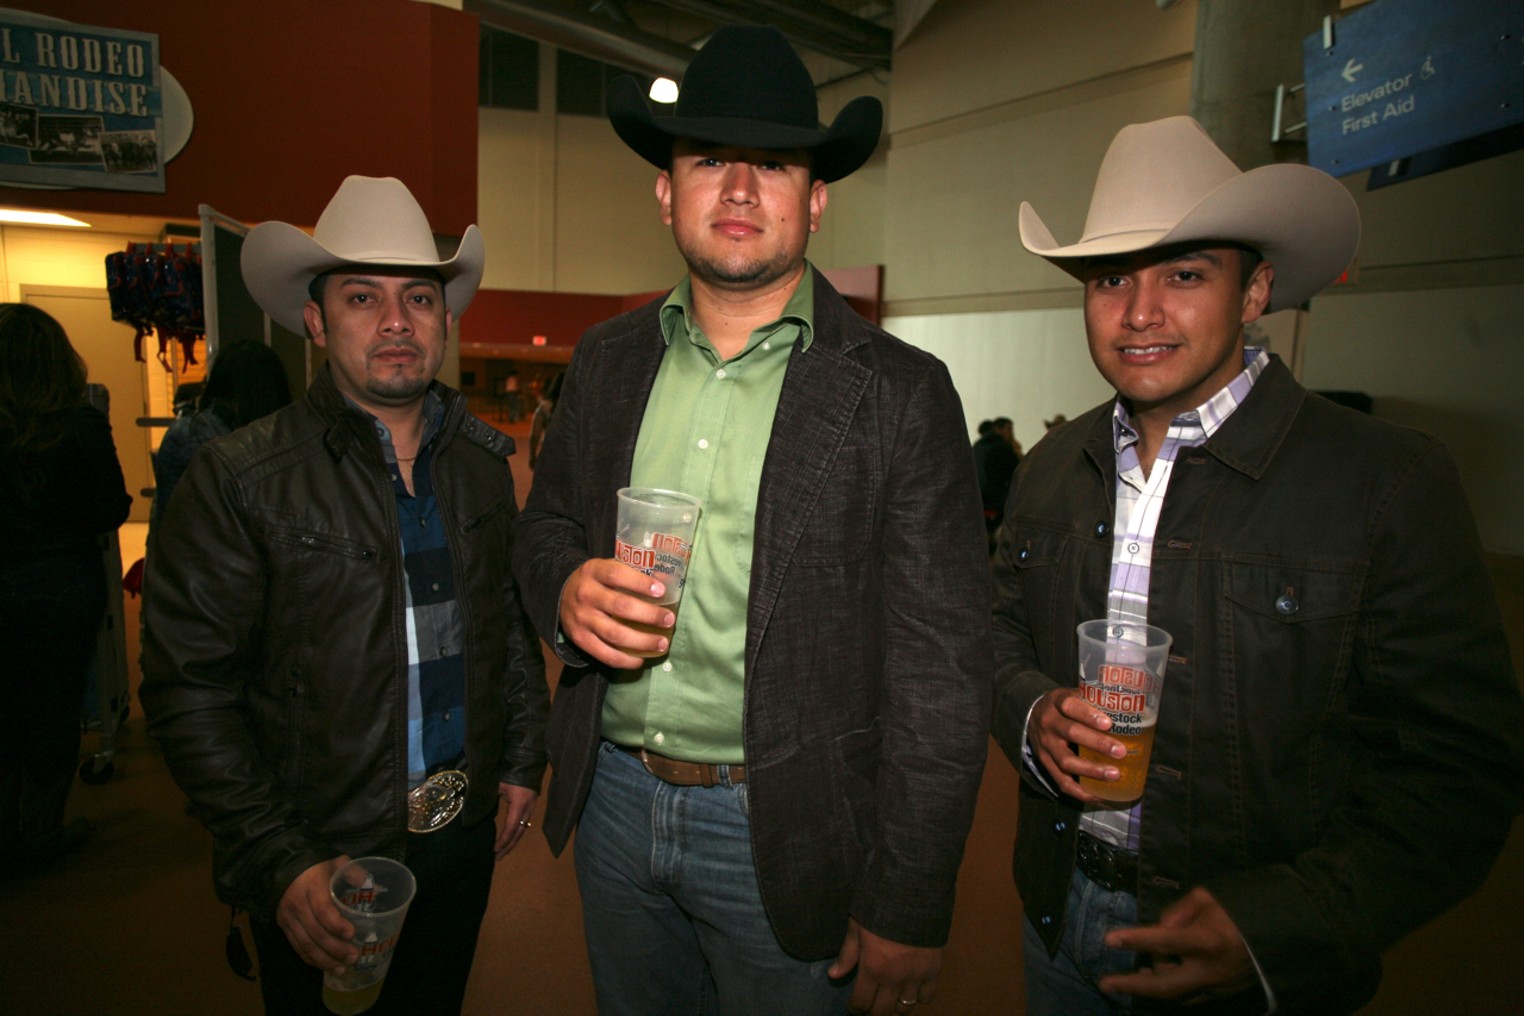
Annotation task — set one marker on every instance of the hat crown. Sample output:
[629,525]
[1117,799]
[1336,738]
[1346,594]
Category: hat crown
[747,88]
[749,72]
[1153,175]
[376,219]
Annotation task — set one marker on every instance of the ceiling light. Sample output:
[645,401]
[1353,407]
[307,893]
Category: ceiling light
[664,90]
[29,218]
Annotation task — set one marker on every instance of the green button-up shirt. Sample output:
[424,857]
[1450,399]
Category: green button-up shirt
[705,432]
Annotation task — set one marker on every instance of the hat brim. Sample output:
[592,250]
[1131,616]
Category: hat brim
[1301,220]
[280,262]
[835,152]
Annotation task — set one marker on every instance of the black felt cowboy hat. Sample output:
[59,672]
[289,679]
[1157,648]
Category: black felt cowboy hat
[748,87]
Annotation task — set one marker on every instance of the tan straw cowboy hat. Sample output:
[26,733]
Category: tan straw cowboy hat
[370,221]
[1165,183]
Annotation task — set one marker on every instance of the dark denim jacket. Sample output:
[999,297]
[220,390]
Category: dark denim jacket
[1339,738]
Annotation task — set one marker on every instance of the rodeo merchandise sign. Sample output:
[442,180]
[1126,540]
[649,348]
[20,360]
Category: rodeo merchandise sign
[80,106]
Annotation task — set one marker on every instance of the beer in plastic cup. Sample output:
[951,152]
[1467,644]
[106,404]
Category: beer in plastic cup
[654,535]
[1122,672]
[373,894]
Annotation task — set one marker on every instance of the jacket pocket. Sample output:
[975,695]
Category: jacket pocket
[320,543]
[1293,592]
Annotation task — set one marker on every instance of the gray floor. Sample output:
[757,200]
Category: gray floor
[129,925]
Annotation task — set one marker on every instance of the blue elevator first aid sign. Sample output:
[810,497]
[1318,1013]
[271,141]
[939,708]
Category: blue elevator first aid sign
[1404,76]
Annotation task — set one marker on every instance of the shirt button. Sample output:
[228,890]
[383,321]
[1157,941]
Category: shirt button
[1101,529]
[1059,827]
[1287,605]
[434,586]
[767,345]
[703,442]
[660,738]
[667,666]
[1132,548]
[720,373]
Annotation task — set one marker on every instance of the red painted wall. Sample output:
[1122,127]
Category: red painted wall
[515,316]
[291,96]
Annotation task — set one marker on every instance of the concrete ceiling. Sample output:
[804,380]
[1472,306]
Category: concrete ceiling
[657,37]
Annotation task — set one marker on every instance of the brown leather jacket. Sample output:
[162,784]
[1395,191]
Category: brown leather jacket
[275,647]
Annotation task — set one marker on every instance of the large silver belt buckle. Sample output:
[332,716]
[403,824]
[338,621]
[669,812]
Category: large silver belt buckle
[434,802]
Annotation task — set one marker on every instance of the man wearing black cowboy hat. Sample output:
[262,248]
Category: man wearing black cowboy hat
[775,793]
[1337,744]
[335,658]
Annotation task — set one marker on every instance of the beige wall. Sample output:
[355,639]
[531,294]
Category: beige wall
[999,101]
[564,206]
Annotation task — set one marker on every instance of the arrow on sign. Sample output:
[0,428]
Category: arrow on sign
[1350,69]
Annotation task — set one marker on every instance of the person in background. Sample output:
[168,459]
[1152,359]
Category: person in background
[335,659]
[996,455]
[544,408]
[61,487]
[246,381]
[1337,753]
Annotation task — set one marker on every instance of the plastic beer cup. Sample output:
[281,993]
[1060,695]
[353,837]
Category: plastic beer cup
[654,535]
[373,894]
[1121,670]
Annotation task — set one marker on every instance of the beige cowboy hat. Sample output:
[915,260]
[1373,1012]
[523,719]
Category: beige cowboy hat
[370,221]
[1165,182]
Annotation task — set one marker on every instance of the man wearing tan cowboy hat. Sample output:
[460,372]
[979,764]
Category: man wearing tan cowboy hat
[336,661]
[771,810]
[1336,753]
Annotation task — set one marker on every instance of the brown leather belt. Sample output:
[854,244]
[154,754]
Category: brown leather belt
[685,774]
[1109,867]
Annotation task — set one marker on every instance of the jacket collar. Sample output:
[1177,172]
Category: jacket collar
[1246,442]
[1249,439]
[348,426]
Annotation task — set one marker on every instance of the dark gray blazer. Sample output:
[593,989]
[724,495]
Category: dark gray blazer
[868,660]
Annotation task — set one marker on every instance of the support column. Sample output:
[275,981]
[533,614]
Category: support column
[1244,49]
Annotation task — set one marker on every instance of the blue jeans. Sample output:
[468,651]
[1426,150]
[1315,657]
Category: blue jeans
[670,906]
[1065,984]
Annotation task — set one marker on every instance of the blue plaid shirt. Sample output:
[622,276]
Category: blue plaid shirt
[436,671]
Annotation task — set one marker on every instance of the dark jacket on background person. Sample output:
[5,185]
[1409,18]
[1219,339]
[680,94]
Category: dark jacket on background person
[867,661]
[994,463]
[78,493]
[275,653]
[1339,739]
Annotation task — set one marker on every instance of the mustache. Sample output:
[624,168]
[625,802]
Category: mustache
[407,344]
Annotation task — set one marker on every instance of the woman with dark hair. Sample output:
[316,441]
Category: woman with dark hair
[245,382]
[60,488]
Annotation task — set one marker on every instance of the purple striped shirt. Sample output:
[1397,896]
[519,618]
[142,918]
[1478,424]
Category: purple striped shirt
[1139,501]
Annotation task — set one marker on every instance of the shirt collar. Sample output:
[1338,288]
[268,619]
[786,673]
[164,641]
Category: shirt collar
[433,415]
[677,314]
[1211,414]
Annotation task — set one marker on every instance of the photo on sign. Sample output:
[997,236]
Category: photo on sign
[131,151]
[18,125]
[68,141]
